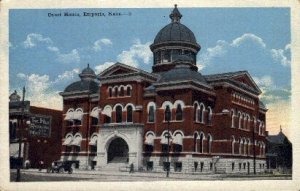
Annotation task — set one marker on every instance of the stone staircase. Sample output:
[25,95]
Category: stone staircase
[116,164]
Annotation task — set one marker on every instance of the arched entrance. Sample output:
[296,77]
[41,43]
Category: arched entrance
[117,151]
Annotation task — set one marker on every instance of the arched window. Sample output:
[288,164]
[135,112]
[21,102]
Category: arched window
[110,92]
[195,111]
[128,91]
[122,91]
[178,113]
[240,148]
[168,110]
[232,118]
[201,113]
[151,115]
[240,120]
[118,114]
[209,115]
[209,140]
[129,113]
[195,142]
[107,114]
[116,91]
[201,143]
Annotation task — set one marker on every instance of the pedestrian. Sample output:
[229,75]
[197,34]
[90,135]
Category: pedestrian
[131,168]
[41,165]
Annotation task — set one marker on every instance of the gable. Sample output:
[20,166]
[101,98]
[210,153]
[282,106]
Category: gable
[118,69]
[246,80]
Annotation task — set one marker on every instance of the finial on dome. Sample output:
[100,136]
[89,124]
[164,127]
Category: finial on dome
[175,16]
[88,65]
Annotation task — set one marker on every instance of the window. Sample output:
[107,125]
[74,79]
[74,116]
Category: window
[195,166]
[166,56]
[201,113]
[77,122]
[177,148]
[151,114]
[118,114]
[148,148]
[167,110]
[122,91]
[70,123]
[149,165]
[128,91]
[232,166]
[116,91]
[68,148]
[195,111]
[77,149]
[166,166]
[209,116]
[93,148]
[164,148]
[201,143]
[244,166]
[110,92]
[232,145]
[178,166]
[232,119]
[210,166]
[209,140]
[129,113]
[240,166]
[94,121]
[201,166]
[178,113]
[195,142]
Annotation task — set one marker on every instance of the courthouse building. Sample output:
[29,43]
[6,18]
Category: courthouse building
[216,123]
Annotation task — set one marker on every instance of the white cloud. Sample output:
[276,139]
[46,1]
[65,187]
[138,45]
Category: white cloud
[33,39]
[72,57]
[136,52]
[101,67]
[264,81]
[280,55]
[42,92]
[53,48]
[248,37]
[98,44]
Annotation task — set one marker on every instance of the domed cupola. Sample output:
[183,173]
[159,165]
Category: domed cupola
[86,84]
[171,41]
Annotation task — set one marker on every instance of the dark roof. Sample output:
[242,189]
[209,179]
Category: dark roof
[182,73]
[226,75]
[262,105]
[83,85]
[279,138]
[175,32]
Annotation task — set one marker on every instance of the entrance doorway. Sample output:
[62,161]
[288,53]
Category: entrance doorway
[117,151]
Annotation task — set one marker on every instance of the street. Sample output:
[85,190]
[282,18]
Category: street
[33,175]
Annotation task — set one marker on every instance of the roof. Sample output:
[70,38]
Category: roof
[83,85]
[228,77]
[279,138]
[262,105]
[182,73]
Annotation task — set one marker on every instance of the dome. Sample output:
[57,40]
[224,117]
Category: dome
[14,96]
[87,73]
[182,73]
[83,85]
[175,32]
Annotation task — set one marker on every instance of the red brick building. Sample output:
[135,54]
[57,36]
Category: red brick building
[41,132]
[216,123]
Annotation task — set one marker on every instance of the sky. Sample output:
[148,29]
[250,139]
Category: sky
[47,52]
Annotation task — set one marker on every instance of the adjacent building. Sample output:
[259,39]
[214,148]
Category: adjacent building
[171,117]
[40,129]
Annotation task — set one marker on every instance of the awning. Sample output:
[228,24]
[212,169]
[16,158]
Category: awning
[164,140]
[78,115]
[95,113]
[69,116]
[177,139]
[107,111]
[14,150]
[149,140]
[93,141]
[68,141]
[77,141]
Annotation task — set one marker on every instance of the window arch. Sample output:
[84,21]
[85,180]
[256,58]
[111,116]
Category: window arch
[107,113]
[168,118]
[201,113]
[110,92]
[209,141]
[151,111]
[129,113]
[179,113]
[209,115]
[177,141]
[201,142]
[115,91]
[118,114]
[232,144]
[128,90]
[122,91]
[232,118]
[196,107]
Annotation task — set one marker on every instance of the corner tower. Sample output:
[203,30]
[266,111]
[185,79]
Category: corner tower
[173,41]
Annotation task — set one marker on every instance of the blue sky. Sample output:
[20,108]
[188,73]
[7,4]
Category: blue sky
[47,53]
